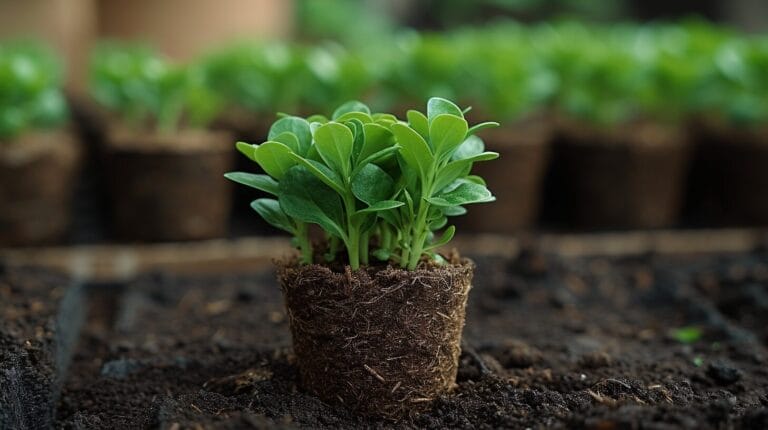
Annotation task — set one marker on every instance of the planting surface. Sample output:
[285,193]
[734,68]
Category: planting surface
[574,343]
[38,326]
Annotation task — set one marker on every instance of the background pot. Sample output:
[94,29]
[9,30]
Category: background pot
[516,178]
[37,177]
[626,177]
[383,342]
[169,187]
[729,176]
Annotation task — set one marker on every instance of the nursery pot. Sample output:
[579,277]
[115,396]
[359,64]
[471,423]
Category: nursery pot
[624,177]
[516,179]
[37,176]
[381,341]
[729,175]
[169,187]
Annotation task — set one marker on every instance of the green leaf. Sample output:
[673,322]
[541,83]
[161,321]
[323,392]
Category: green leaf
[381,206]
[377,138]
[382,254]
[322,172]
[446,133]
[451,172]
[299,127]
[384,118]
[288,139]
[476,179]
[444,239]
[275,158]
[350,106]
[377,157]
[322,119]
[414,149]
[246,149]
[438,106]
[360,116]
[484,156]
[270,210]
[334,144]
[465,193]
[471,146]
[372,184]
[356,127]
[482,126]
[438,223]
[260,182]
[418,122]
[454,210]
[306,198]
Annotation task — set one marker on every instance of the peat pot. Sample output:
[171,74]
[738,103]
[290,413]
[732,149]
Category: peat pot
[381,341]
[625,177]
[38,172]
[729,176]
[169,187]
[516,179]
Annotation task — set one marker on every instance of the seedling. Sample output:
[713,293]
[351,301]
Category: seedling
[148,91]
[30,90]
[376,185]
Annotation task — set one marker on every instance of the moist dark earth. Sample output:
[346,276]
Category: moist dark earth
[549,343]
[38,327]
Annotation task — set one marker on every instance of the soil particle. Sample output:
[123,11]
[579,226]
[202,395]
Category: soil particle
[723,373]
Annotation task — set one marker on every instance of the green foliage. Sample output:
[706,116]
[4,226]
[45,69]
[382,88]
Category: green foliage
[148,91]
[369,180]
[689,334]
[30,90]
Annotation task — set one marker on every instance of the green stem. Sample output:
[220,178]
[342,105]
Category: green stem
[305,246]
[353,233]
[420,230]
[419,236]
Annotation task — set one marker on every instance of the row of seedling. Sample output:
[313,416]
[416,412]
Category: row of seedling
[621,104]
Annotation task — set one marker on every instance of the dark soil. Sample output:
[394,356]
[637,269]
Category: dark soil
[577,343]
[39,322]
[383,341]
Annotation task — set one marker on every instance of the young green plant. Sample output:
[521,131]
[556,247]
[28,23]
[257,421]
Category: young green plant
[369,180]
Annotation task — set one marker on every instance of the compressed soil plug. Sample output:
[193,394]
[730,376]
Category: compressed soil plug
[381,341]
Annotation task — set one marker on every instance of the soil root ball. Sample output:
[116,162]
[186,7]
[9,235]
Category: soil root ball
[382,341]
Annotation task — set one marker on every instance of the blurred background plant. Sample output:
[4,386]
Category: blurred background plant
[31,97]
[148,91]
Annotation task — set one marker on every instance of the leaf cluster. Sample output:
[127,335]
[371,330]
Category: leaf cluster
[31,97]
[148,91]
[376,185]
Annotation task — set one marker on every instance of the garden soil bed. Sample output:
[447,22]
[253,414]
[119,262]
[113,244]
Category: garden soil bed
[582,342]
[40,318]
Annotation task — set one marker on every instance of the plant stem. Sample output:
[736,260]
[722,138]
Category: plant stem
[353,233]
[305,246]
[420,230]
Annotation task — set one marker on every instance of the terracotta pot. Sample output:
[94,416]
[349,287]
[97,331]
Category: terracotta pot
[38,172]
[169,187]
[380,341]
[729,177]
[516,178]
[631,176]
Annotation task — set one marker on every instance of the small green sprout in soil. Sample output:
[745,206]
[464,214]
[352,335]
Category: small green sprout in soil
[377,186]
[687,335]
